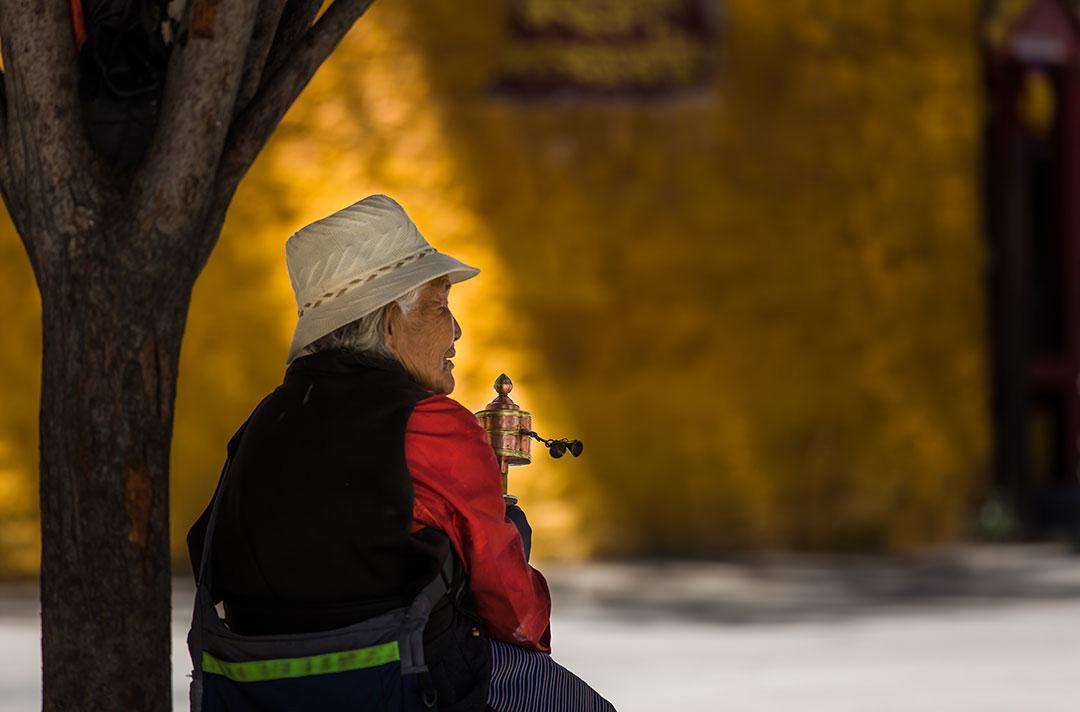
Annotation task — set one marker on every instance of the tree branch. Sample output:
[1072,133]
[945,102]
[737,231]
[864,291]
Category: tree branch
[253,127]
[262,36]
[48,156]
[3,103]
[200,91]
[295,23]
[4,175]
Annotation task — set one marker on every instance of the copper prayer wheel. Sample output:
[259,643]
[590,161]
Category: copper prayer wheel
[508,428]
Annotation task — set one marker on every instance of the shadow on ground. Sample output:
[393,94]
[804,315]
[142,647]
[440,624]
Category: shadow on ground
[772,588]
[785,588]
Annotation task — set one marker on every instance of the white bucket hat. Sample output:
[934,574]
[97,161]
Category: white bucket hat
[357,260]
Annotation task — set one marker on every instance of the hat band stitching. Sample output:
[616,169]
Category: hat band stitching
[364,279]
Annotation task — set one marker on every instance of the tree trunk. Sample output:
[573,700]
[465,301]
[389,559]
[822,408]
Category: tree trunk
[111,339]
[116,254]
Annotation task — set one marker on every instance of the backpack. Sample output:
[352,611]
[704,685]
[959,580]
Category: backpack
[376,665]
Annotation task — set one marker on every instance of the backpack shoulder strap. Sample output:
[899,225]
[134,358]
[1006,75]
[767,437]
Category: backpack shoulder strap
[200,547]
[203,573]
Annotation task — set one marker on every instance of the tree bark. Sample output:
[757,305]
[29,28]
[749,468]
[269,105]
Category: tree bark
[111,342]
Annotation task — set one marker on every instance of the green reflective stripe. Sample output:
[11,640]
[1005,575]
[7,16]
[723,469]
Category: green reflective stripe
[259,670]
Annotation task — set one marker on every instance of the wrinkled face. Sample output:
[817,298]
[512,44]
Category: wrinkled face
[423,340]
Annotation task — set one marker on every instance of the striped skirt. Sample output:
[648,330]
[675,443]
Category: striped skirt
[527,681]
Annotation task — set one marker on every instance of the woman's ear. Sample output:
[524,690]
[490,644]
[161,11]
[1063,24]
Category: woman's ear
[389,324]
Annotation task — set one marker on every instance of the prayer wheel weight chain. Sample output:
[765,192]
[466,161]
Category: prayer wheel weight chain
[510,430]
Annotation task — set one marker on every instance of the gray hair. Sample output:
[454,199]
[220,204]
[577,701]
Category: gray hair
[365,335]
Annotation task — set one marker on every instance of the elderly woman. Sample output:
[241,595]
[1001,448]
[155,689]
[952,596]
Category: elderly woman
[358,479]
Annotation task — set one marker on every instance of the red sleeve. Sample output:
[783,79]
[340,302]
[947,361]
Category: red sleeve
[458,490]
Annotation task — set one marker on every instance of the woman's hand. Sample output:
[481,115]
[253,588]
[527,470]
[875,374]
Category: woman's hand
[516,515]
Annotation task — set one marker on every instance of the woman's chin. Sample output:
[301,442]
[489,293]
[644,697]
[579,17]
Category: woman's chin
[443,382]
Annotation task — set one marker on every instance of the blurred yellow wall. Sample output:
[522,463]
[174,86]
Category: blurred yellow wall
[759,304]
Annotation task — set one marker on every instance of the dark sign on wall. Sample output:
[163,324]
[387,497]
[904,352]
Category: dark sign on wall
[607,47]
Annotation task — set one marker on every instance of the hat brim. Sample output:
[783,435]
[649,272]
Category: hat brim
[350,306]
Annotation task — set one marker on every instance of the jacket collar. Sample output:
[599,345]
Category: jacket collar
[341,363]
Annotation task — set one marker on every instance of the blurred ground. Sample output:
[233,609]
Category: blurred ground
[982,629]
